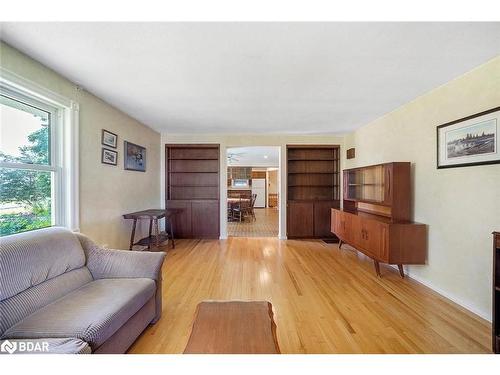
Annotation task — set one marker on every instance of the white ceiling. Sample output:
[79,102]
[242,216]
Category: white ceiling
[254,156]
[257,77]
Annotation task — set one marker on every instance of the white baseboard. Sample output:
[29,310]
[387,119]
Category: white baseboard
[486,315]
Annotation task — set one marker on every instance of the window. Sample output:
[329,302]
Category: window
[37,165]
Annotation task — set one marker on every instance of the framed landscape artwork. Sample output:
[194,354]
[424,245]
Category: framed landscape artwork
[472,140]
[109,139]
[135,157]
[109,157]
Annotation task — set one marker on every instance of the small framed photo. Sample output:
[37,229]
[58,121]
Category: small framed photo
[109,139]
[135,157]
[472,140]
[109,157]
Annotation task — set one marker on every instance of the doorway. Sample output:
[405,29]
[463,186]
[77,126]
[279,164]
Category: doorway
[253,186]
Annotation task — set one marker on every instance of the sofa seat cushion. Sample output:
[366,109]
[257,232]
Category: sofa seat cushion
[91,313]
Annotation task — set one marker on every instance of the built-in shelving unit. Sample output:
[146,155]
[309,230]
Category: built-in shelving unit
[192,185]
[496,293]
[313,188]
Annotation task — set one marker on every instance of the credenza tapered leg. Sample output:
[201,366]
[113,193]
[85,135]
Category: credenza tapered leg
[401,271]
[377,267]
[340,243]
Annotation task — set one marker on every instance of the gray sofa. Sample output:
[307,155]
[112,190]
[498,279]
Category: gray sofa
[61,289]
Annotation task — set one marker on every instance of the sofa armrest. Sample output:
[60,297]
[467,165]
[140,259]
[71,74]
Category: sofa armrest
[108,264]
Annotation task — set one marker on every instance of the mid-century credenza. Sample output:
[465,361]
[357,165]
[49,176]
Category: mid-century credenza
[375,218]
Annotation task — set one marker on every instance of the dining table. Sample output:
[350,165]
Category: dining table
[233,201]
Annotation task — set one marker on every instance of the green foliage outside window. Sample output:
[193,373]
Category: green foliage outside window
[27,188]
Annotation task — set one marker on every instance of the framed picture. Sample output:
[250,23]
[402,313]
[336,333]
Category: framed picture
[109,139]
[109,157]
[472,140]
[135,157]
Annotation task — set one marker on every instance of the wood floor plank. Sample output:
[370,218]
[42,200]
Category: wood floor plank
[325,300]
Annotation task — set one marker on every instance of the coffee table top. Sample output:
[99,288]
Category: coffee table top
[233,327]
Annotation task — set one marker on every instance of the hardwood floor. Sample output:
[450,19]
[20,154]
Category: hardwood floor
[325,300]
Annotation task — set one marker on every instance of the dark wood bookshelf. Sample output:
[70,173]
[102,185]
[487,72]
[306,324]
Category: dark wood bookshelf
[496,294]
[192,187]
[313,188]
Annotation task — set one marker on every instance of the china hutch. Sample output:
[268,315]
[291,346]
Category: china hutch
[376,215]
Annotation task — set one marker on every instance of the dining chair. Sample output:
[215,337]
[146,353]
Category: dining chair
[251,206]
[241,209]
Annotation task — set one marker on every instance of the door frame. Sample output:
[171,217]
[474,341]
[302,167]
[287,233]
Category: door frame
[281,188]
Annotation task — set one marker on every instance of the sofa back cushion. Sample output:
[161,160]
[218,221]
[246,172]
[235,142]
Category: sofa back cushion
[31,258]
[18,307]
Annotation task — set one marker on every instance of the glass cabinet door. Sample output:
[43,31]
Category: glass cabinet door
[366,184]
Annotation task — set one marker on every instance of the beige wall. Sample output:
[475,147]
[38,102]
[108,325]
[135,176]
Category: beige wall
[235,140]
[106,192]
[461,206]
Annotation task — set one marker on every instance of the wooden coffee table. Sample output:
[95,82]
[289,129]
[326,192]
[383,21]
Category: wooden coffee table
[233,327]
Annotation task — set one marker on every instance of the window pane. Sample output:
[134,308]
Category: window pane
[24,133]
[25,200]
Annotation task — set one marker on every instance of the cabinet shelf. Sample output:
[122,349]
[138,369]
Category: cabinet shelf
[198,186]
[192,172]
[366,184]
[316,186]
[151,240]
[313,159]
[313,173]
[172,159]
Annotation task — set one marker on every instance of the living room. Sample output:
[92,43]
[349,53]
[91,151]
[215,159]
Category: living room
[300,188]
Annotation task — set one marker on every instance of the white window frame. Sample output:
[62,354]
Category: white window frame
[63,142]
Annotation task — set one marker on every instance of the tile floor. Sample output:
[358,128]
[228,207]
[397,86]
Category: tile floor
[266,224]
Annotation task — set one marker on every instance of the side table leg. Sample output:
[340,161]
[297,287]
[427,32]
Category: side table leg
[149,235]
[157,232]
[133,234]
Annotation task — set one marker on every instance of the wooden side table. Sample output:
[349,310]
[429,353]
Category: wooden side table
[155,236]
